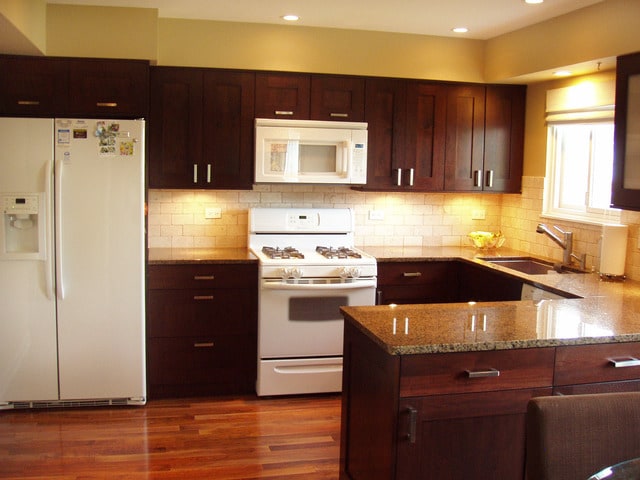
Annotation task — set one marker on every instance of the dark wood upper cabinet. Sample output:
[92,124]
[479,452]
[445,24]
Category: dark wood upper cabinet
[465,138]
[626,162]
[282,95]
[434,136]
[337,98]
[201,128]
[504,137]
[108,88]
[33,86]
[175,127]
[425,135]
[385,112]
[228,128]
[74,87]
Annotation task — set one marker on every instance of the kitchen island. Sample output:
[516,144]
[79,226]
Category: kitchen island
[440,390]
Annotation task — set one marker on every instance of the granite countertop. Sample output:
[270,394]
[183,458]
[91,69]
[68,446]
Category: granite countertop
[608,312]
[173,256]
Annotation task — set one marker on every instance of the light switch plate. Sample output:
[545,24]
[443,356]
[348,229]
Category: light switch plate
[376,214]
[212,212]
[478,215]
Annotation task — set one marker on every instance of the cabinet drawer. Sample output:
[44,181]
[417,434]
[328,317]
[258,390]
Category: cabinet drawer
[184,313]
[597,363]
[476,371]
[200,360]
[203,276]
[413,273]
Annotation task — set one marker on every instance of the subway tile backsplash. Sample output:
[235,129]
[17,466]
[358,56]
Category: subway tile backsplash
[176,218]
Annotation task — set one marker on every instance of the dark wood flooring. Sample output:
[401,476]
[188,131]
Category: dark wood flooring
[224,438]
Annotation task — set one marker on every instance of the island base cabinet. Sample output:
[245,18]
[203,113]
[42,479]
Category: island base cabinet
[463,436]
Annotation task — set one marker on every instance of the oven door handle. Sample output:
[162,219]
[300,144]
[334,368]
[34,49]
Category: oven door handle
[278,285]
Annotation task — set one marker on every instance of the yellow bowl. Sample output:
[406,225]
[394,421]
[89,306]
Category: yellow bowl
[486,240]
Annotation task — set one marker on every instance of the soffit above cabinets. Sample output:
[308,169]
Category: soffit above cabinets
[485,19]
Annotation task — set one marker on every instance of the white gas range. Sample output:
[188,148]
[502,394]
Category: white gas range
[309,268]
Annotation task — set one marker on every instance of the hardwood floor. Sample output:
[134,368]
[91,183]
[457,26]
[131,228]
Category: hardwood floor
[224,438]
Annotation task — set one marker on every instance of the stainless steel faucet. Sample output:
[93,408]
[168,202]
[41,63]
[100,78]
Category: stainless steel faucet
[566,243]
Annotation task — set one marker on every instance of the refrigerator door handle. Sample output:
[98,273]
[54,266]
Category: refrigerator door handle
[48,254]
[58,227]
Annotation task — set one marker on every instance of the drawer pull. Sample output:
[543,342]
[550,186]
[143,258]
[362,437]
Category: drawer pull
[492,372]
[339,115]
[203,297]
[203,344]
[624,362]
[412,274]
[413,424]
[203,277]
[107,104]
[28,102]
[283,112]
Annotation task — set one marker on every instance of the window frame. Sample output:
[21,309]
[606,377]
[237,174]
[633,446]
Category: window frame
[552,185]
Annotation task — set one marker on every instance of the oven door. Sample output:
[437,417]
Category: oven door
[303,319]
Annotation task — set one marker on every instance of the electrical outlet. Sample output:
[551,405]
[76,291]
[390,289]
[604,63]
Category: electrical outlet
[376,214]
[212,212]
[478,215]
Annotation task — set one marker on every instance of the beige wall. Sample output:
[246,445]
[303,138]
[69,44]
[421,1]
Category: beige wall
[319,50]
[23,25]
[606,29]
[102,32]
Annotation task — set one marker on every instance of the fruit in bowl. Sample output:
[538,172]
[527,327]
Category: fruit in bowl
[486,240]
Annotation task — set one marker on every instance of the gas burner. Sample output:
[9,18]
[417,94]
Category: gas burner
[340,252]
[281,253]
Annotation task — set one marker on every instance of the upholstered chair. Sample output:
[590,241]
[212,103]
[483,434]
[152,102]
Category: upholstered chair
[572,437]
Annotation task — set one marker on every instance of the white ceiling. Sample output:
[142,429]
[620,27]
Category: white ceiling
[484,18]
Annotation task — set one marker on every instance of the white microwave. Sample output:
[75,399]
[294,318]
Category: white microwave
[309,151]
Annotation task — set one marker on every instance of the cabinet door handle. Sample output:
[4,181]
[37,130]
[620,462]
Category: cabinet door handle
[476,178]
[411,177]
[203,277]
[203,297]
[399,177]
[624,362]
[413,424]
[412,274]
[107,104]
[492,372]
[28,102]
[195,173]
[283,112]
[489,179]
[203,344]
[378,297]
[339,115]
[208,173]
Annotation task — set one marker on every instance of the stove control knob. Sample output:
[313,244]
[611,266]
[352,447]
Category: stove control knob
[290,272]
[350,272]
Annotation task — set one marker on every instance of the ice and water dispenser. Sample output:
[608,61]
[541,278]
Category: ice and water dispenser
[22,226]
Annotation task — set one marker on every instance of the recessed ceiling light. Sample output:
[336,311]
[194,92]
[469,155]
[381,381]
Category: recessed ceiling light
[290,18]
[561,73]
[533,2]
[460,29]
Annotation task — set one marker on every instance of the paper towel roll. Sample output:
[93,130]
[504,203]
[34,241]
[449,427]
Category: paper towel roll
[613,249]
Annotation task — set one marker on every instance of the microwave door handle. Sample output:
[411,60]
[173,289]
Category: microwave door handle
[347,159]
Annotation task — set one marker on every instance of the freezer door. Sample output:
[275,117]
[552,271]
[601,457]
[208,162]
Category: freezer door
[99,195]
[28,351]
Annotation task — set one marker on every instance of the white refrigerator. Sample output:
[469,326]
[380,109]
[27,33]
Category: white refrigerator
[72,275]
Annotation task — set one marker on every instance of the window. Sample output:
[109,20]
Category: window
[579,165]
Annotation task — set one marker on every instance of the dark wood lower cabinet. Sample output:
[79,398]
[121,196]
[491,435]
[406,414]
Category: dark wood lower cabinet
[470,435]
[202,329]
[443,282]
[422,416]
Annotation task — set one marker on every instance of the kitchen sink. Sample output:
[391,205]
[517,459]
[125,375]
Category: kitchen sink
[530,265]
